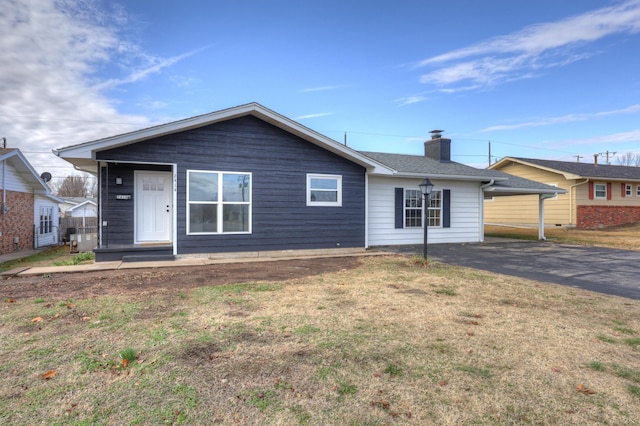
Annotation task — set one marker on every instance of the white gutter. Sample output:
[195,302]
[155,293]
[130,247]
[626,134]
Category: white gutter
[481,204]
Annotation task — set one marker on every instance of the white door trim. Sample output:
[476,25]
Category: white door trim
[169,192]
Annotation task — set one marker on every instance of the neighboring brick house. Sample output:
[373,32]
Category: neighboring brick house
[28,210]
[597,195]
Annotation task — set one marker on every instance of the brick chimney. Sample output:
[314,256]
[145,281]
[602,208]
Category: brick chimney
[438,148]
[595,159]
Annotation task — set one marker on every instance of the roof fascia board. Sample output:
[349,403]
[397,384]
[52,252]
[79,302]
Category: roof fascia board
[469,178]
[30,175]
[566,175]
[496,190]
[87,150]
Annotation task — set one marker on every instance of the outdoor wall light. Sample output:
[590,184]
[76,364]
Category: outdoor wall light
[118,180]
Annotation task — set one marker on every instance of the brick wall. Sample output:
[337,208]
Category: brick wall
[592,217]
[17,222]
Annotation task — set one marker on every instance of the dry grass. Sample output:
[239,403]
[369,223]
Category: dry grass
[625,237]
[387,343]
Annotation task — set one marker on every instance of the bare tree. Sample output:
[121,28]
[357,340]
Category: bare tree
[76,186]
[628,159]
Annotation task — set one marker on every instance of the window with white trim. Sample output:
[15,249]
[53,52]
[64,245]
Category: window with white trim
[46,220]
[414,211]
[637,190]
[413,208]
[324,190]
[627,190]
[600,190]
[218,202]
[434,210]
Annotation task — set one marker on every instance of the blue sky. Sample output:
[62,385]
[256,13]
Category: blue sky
[542,79]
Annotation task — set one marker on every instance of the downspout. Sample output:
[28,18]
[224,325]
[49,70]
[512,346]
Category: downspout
[4,192]
[482,187]
[366,207]
[571,201]
[3,208]
[99,207]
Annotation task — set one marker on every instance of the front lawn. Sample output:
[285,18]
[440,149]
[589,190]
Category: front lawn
[386,343]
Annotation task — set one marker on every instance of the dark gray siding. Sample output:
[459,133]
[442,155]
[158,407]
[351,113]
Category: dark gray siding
[279,162]
[119,213]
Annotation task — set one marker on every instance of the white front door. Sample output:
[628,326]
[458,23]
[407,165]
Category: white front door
[153,195]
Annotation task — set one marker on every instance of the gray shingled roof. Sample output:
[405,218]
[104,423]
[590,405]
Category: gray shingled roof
[418,164]
[504,183]
[586,170]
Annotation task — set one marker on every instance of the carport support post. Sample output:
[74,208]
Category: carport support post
[426,187]
[541,213]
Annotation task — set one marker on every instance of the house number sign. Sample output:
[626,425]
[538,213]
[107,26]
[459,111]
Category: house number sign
[123,196]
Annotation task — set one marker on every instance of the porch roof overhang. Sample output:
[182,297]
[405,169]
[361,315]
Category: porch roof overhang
[83,156]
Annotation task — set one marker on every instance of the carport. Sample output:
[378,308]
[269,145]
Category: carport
[515,185]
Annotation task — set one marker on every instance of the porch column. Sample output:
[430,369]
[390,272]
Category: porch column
[541,198]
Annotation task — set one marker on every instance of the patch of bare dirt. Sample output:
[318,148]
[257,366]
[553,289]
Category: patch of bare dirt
[169,280]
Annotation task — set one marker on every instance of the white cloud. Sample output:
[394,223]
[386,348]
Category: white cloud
[320,114]
[50,97]
[607,140]
[568,118]
[541,46]
[320,89]
[410,100]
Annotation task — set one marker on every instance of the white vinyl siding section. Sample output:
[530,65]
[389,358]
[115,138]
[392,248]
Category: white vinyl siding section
[465,213]
[13,181]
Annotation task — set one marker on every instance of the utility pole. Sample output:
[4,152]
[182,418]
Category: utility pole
[489,152]
[578,157]
[606,154]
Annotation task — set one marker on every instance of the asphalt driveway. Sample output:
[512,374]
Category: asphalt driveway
[609,271]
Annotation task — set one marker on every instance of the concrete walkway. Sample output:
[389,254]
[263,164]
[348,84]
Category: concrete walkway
[180,262]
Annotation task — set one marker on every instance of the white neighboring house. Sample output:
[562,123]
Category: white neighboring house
[78,207]
[29,210]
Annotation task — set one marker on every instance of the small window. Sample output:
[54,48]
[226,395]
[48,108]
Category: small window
[434,210]
[46,220]
[600,190]
[218,202]
[627,190]
[413,208]
[637,190]
[324,190]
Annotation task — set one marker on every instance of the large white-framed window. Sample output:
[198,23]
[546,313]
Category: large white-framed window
[414,211]
[218,202]
[600,190]
[324,190]
[46,220]
[434,210]
[628,190]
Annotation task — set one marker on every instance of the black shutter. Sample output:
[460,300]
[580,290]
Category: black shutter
[399,208]
[446,208]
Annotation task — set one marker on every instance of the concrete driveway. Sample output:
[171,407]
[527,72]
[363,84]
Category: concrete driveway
[609,271]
